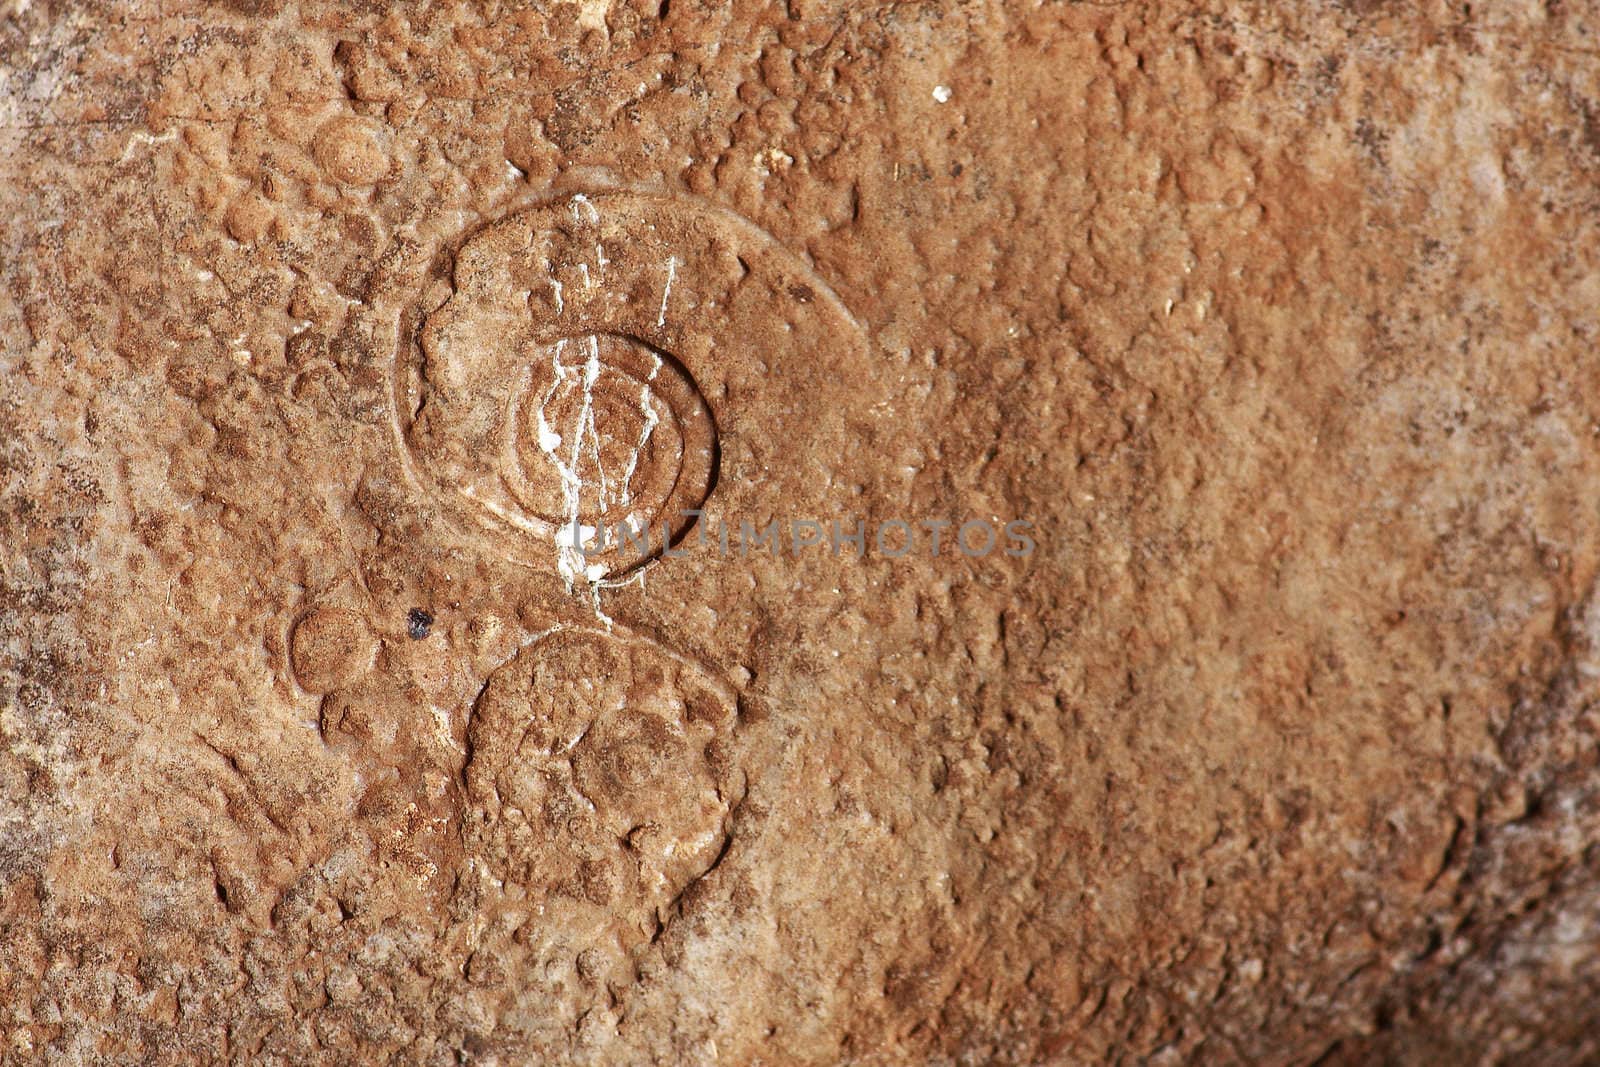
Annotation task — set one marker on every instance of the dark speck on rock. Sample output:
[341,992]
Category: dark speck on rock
[418,623]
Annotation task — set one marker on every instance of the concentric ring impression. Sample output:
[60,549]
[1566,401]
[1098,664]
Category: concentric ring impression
[564,387]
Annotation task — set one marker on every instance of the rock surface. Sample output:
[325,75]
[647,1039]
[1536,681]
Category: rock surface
[324,739]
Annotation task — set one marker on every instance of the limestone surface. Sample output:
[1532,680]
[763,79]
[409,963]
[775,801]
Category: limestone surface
[799,533]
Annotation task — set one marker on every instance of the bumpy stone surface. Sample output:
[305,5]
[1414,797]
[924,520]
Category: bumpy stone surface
[320,323]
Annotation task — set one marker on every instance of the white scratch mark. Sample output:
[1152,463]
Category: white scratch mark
[573,536]
[651,419]
[666,292]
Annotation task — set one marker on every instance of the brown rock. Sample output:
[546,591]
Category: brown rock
[357,362]
[351,152]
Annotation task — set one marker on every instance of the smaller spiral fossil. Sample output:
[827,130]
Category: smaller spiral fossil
[600,768]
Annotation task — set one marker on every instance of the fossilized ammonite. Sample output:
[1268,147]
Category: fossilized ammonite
[586,437]
[601,782]
[569,395]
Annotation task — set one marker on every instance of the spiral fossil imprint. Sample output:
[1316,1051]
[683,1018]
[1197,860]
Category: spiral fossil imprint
[577,383]
[608,435]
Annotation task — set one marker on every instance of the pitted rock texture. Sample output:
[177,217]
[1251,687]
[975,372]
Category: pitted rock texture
[1277,322]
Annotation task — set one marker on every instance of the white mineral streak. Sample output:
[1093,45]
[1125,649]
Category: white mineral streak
[571,447]
[569,538]
[651,419]
[587,429]
[666,293]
